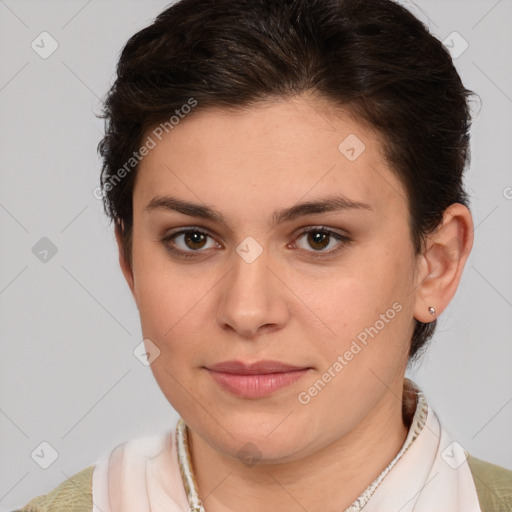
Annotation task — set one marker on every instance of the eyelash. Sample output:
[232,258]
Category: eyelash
[344,239]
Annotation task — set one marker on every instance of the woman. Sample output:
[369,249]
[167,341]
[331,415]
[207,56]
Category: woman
[285,179]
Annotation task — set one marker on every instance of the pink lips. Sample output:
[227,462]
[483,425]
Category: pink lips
[255,380]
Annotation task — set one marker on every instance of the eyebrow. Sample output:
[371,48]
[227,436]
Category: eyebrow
[325,205]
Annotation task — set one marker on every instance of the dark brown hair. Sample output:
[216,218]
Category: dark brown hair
[372,57]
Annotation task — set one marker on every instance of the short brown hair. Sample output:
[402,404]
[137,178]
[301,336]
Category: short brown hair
[370,56]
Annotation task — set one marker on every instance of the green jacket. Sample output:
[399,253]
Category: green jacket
[493,484]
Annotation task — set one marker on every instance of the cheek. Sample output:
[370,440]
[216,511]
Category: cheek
[164,295]
[370,304]
[176,313]
[168,313]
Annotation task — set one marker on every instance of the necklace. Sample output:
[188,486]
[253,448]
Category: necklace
[184,460]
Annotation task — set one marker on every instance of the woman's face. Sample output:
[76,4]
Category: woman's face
[231,265]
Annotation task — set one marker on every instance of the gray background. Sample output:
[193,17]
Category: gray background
[69,326]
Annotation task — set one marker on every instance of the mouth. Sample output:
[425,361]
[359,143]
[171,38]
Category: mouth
[255,380]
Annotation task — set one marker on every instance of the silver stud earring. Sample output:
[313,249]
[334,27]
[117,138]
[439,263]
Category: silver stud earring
[432,311]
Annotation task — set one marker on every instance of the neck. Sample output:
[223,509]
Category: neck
[330,479]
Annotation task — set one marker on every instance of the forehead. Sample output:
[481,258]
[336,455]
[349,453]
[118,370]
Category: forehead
[275,153]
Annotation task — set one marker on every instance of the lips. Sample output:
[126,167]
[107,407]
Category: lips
[255,380]
[259,367]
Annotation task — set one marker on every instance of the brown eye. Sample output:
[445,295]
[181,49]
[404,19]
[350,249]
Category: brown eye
[195,239]
[320,241]
[189,243]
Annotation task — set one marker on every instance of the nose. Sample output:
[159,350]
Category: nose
[253,298]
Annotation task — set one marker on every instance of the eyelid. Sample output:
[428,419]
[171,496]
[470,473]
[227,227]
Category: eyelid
[324,229]
[187,229]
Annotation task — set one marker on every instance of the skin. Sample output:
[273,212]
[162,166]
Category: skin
[286,305]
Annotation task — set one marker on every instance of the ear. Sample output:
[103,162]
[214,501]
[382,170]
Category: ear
[441,265]
[123,263]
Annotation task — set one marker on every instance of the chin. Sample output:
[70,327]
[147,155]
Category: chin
[255,439]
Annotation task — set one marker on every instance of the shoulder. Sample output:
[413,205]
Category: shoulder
[72,495]
[493,484]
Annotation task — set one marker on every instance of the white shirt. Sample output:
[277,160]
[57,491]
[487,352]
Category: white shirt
[430,473]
